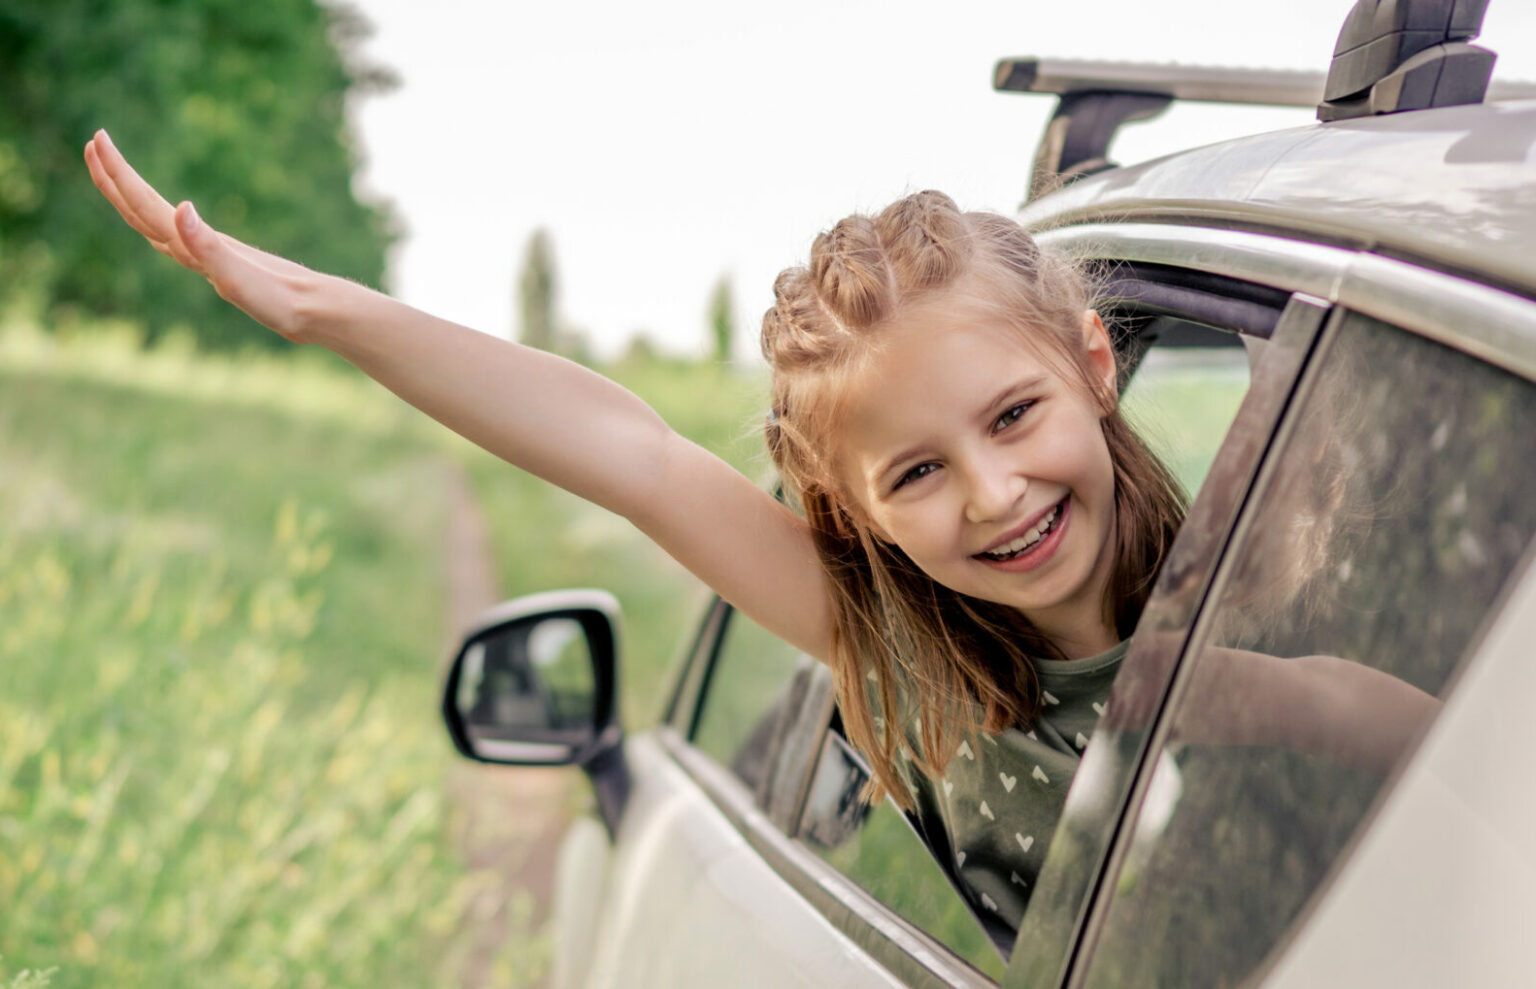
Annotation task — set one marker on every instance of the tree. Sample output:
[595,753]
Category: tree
[722,319]
[237,106]
[537,288]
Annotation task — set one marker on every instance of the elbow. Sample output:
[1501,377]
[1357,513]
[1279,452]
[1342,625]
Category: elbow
[657,477]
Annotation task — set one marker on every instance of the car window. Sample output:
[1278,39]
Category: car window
[1181,400]
[875,847]
[1187,341]
[744,696]
[1376,541]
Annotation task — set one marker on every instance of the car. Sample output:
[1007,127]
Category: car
[1334,330]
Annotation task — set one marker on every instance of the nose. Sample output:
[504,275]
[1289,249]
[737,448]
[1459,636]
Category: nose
[993,490]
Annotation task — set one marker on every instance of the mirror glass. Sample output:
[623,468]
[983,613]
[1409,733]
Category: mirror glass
[526,691]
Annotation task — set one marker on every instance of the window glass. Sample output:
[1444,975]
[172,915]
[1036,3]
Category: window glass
[749,684]
[1376,543]
[1181,401]
[876,848]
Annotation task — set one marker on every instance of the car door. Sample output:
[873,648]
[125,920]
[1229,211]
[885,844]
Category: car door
[1178,286]
[688,897]
[754,725]
[1370,553]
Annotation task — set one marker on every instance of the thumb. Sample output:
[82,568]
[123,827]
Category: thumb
[207,250]
[195,234]
[259,284]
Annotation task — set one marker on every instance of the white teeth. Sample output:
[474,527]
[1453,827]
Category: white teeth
[1028,539]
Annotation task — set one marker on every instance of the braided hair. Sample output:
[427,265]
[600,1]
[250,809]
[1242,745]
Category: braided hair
[903,644]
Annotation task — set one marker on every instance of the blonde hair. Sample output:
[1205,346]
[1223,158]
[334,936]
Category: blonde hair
[894,626]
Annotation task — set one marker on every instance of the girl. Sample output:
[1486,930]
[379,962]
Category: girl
[979,528]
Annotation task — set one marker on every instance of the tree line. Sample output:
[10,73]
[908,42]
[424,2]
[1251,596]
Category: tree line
[538,317]
[239,106]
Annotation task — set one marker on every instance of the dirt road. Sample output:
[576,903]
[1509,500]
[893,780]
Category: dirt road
[508,821]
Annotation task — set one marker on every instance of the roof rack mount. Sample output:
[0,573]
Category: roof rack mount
[1395,55]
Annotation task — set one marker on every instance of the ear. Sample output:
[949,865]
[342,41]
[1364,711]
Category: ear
[1101,354]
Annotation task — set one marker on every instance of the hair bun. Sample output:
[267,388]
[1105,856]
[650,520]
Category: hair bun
[926,238]
[849,272]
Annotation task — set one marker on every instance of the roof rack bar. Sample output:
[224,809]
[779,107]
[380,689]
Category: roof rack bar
[1097,98]
[1200,83]
[1192,83]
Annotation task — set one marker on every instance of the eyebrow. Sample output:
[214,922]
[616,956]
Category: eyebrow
[1030,383]
[1026,384]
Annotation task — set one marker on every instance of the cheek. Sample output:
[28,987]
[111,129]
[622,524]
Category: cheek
[1104,468]
[857,512]
[1090,467]
[1092,445]
[919,532]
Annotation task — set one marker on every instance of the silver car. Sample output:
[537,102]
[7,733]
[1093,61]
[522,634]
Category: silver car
[1334,336]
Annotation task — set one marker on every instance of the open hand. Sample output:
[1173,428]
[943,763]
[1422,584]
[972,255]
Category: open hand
[272,290]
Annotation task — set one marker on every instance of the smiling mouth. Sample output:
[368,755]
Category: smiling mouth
[1022,544]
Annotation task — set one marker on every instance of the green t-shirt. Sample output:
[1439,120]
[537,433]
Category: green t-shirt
[991,815]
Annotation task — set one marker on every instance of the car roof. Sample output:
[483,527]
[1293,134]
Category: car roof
[1451,188]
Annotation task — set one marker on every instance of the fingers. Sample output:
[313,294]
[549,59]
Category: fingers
[108,188]
[264,285]
[144,209]
[139,203]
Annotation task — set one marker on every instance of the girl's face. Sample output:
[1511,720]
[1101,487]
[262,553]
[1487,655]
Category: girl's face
[986,466]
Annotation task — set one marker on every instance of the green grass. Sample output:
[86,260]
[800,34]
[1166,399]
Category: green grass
[221,590]
[221,585]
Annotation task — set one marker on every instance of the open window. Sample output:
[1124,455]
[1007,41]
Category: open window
[1187,340]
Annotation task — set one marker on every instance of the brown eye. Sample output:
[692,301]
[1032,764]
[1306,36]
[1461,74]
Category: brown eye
[915,474]
[1010,417]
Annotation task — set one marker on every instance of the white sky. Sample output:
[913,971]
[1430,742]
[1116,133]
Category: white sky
[664,143]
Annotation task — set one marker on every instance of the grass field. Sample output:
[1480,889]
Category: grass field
[221,595]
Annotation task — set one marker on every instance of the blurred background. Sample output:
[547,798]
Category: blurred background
[230,569]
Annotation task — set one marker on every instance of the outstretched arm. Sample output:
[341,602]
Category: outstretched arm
[1323,705]
[540,412]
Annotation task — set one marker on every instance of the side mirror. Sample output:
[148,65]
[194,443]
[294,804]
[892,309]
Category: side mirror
[535,684]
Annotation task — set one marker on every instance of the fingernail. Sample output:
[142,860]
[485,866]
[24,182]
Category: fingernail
[106,137]
[192,220]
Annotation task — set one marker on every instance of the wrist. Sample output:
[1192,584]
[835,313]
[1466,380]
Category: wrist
[325,309]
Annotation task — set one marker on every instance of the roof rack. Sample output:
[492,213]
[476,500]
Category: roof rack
[1392,55]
